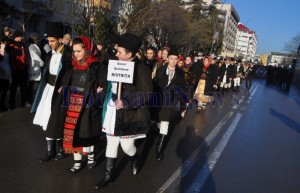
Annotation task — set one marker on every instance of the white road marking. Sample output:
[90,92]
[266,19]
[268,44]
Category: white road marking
[213,158]
[183,170]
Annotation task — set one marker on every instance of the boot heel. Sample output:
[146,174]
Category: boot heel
[109,174]
[134,164]
[60,151]
[50,152]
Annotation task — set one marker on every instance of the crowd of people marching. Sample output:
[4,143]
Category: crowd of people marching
[75,104]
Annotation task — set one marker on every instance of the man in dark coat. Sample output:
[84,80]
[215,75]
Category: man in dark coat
[58,60]
[249,74]
[225,75]
[169,82]
[127,118]
[238,75]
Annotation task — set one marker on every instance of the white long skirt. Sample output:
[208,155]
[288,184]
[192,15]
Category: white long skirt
[43,112]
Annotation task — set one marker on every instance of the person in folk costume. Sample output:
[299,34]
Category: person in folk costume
[233,73]
[239,71]
[225,75]
[161,61]
[180,62]
[249,74]
[83,87]
[150,60]
[214,62]
[196,68]
[189,76]
[127,119]
[159,56]
[219,65]
[169,81]
[57,61]
[208,78]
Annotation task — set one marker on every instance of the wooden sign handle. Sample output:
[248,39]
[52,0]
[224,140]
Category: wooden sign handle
[119,90]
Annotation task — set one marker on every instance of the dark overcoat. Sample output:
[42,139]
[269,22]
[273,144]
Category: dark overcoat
[89,124]
[170,95]
[134,118]
[228,70]
[211,79]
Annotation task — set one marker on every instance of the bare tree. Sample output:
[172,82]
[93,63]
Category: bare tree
[171,22]
[293,46]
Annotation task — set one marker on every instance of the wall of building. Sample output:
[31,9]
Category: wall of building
[246,43]
[230,28]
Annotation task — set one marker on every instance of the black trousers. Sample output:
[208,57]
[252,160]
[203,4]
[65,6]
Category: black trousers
[19,78]
[4,86]
[248,83]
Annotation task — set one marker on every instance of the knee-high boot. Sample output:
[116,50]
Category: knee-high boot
[159,152]
[109,173]
[59,150]
[50,151]
[134,164]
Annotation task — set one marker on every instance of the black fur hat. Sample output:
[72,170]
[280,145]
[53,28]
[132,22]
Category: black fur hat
[17,33]
[55,29]
[173,51]
[130,42]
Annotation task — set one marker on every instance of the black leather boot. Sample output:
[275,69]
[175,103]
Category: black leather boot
[59,150]
[50,152]
[134,164]
[109,173]
[159,152]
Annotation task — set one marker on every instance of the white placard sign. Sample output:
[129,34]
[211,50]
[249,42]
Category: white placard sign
[120,71]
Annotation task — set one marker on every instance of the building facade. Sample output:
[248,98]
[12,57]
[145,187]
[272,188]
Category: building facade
[33,15]
[231,20]
[246,43]
[280,59]
[228,18]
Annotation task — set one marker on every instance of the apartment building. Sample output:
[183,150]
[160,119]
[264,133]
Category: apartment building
[246,43]
[231,20]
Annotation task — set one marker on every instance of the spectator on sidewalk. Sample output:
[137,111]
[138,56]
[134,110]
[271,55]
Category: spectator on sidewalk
[4,73]
[35,64]
[19,67]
